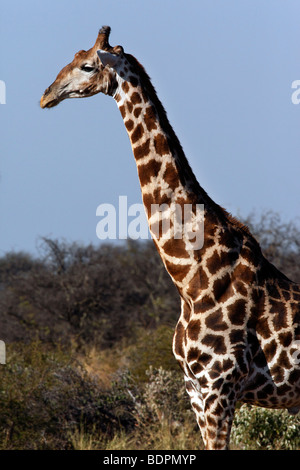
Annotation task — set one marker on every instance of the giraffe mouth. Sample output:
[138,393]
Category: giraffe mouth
[51,98]
[48,101]
[45,103]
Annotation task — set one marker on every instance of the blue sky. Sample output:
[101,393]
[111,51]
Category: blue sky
[223,70]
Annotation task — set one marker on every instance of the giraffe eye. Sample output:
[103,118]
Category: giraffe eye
[87,68]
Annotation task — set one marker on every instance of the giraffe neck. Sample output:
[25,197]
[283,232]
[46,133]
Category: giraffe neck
[153,140]
[166,179]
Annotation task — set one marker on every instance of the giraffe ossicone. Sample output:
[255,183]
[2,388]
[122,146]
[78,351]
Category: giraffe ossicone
[239,329]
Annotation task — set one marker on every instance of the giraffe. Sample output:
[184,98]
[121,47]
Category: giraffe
[238,333]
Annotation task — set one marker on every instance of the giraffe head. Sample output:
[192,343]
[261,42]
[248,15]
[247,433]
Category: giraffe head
[89,73]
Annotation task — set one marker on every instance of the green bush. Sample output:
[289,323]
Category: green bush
[163,416]
[152,348]
[265,429]
[163,398]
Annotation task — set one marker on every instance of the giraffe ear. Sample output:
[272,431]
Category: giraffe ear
[107,58]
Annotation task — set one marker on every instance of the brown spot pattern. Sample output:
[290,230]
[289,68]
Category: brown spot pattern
[135,98]
[171,176]
[178,271]
[142,150]
[215,321]
[137,134]
[161,145]
[148,171]
[137,111]
[236,312]
[129,107]
[122,111]
[150,119]
[216,342]
[179,339]
[129,125]
[176,248]
[193,329]
[125,87]
[223,288]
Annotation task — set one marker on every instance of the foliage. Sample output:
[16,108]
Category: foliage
[155,405]
[48,401]
[152,349]
[163,416]
[280,241]
[264,429]
[45,396]
[87,295]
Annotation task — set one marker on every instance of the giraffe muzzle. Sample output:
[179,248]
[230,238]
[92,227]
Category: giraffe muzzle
[50,98]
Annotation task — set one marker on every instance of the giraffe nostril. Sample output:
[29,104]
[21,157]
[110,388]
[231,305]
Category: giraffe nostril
[47,90]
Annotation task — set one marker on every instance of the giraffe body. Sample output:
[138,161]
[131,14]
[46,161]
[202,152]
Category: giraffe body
[238,335]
